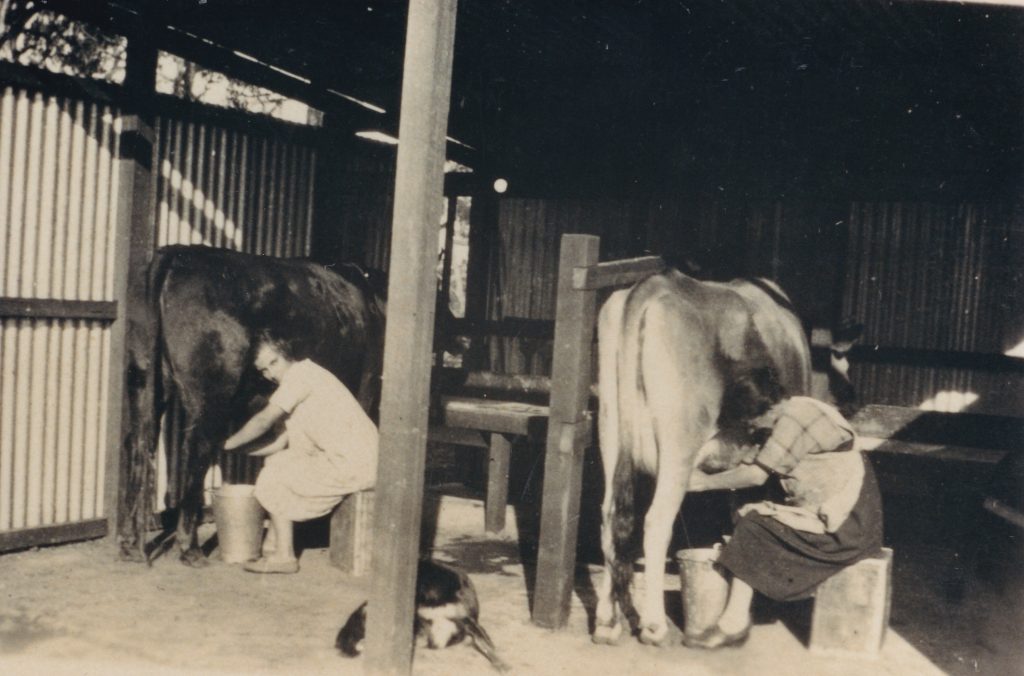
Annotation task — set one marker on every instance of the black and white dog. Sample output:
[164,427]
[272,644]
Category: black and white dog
[447,611]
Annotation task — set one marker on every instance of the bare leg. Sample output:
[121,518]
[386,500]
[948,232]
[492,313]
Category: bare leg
[270,540]
[736,616]
[284,529]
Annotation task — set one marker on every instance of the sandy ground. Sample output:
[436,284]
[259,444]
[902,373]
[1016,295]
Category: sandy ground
[76,610]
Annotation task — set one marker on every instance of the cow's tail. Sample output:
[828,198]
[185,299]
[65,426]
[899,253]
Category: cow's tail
[619,393]
[146,393]
[624,536]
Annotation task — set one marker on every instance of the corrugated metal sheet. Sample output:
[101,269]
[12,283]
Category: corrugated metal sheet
[224,187]
[930,276]
[215,184]
[57,214]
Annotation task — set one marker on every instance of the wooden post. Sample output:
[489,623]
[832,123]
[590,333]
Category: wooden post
[499,455]
[483,230]
[130,346]
[419,186]
[568,432]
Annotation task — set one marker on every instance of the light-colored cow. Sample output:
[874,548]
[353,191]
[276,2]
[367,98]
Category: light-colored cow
[667,347]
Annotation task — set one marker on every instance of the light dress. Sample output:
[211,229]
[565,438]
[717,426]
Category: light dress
[332,446]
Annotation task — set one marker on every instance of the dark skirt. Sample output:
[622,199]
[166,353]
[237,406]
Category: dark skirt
[787,564]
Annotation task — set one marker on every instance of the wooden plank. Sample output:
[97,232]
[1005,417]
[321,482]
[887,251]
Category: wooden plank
[616,273]
[55,308]
[909,356]
[507,417]
[945,452]
[419,183]
[563,466]
[52,535]
[514,327]
[443,434]
[498,460]
[131,337]
[505,382]
[900,423]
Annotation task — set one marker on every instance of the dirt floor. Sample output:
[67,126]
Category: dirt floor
[76,610]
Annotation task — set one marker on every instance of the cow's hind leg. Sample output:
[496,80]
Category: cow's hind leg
[191,507]
[668,496]
[607,625]
[680,392]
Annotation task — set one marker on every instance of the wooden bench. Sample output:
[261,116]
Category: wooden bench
[972,438]
[938,466]
[491,424]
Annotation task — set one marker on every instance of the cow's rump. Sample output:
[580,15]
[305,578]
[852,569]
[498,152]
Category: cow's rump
[667,348]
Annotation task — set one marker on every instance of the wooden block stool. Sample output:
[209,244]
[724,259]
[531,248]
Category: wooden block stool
[351,533]
[851,608]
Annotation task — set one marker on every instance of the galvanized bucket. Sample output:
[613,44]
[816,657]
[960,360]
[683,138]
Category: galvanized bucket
[239,518]
[704,588]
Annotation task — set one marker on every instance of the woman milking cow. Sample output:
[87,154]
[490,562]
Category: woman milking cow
[831,516]
[327,449]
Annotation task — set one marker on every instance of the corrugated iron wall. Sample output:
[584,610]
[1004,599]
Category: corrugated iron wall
[933,277]
[529,232]
[710,239]
[224,180]
[58,188]
[919,275]
[220,184]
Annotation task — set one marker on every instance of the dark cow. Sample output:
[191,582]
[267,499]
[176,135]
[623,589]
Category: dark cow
[205,308]
[667,347]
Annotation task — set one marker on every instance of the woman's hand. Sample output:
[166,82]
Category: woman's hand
[258,425]
[275,446]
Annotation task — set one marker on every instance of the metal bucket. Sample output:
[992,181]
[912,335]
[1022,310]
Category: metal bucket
[704,588]
[239,518]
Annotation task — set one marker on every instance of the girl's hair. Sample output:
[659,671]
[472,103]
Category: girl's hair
[278,342]
[749,394]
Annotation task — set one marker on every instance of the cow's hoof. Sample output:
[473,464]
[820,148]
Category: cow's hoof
[131,554]
[607,634]
[655,635]
[194,558]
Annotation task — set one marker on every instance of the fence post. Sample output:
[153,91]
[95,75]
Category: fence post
[568,433]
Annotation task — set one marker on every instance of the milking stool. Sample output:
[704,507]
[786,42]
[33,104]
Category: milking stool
[352,533]
[851,608]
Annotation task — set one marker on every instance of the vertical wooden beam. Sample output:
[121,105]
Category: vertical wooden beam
[133,248]
[419,186]
[483,231]
[568,432]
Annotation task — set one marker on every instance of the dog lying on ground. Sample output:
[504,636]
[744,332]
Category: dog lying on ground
[447,611]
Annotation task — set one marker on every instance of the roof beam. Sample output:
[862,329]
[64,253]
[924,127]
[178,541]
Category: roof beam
[344,106]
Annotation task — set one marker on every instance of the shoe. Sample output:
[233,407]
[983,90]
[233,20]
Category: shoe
[265,565]
[714,638]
